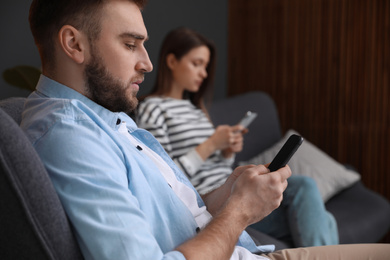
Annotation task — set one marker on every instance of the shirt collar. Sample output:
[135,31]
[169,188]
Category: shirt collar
[54,89]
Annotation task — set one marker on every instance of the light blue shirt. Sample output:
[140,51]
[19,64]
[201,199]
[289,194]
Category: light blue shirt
[118,202]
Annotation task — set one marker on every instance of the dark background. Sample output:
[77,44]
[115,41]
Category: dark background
[208,17]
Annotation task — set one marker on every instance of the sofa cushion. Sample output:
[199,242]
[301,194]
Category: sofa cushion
[33,222]
[363,216]
[261,238]
[331,177]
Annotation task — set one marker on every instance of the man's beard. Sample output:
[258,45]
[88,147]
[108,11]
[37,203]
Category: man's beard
[107,91]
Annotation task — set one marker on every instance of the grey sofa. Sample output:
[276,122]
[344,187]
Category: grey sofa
[34,224]
[362,215]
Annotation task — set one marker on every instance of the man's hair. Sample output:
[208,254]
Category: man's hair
[47,17]
[179,42]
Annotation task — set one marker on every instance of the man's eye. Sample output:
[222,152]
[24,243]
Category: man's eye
[130,46]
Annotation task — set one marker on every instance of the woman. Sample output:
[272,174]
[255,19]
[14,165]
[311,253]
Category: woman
[175,114]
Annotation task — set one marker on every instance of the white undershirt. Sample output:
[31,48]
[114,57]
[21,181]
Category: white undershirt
[185,193]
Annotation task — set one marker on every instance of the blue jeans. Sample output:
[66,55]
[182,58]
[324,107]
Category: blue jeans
[301,218]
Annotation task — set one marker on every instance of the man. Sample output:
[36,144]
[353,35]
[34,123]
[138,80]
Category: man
[123,194]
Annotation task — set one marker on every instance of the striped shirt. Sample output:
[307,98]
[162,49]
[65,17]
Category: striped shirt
[180,127]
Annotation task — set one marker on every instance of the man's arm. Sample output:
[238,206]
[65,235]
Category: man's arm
[90,177]
[254,193]
[218,239]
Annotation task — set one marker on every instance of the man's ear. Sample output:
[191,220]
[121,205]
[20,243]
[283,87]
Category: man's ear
[171,61]
[73,43]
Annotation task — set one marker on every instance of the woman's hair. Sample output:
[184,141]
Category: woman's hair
[179,42]
[47,17]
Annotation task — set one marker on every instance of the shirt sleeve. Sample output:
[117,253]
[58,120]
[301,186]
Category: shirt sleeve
[91,181]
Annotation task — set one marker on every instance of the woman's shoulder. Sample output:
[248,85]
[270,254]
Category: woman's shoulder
[149,103]
[151,108]
[163,103]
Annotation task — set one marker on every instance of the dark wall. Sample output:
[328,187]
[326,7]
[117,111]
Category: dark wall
[16,44]
[326,65]
[207,17]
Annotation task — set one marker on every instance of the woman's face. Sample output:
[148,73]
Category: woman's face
[189,72]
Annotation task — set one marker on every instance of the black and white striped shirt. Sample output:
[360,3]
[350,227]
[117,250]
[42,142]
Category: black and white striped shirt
[180,127]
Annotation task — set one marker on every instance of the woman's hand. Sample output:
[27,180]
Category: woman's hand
[236,141]
[228,139]
[223,137]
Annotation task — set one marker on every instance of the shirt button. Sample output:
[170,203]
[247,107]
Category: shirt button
[197,230]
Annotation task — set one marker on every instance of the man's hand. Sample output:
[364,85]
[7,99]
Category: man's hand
[216,199]
[251,186]
[249,194]
[256,192]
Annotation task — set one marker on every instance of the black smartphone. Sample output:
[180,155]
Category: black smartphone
[286,152]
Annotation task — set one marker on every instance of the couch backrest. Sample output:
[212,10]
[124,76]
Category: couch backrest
[13,106]
[33,223]
[263,132]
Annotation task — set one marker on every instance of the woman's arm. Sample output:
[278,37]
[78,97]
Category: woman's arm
[154,119]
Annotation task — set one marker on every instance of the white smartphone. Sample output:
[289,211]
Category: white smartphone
[248,119]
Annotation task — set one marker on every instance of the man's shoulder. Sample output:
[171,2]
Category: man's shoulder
[41,114]
[53,109]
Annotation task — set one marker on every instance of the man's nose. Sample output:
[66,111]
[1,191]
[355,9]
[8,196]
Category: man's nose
[144,64]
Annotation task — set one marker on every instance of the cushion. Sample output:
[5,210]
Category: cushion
[331,177]
[363,216]
[261,238]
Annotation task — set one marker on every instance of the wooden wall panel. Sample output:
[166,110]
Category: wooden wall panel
[326,64]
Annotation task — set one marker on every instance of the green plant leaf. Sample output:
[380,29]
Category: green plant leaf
[25,77]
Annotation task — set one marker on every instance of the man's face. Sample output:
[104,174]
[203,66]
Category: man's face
[118,58]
